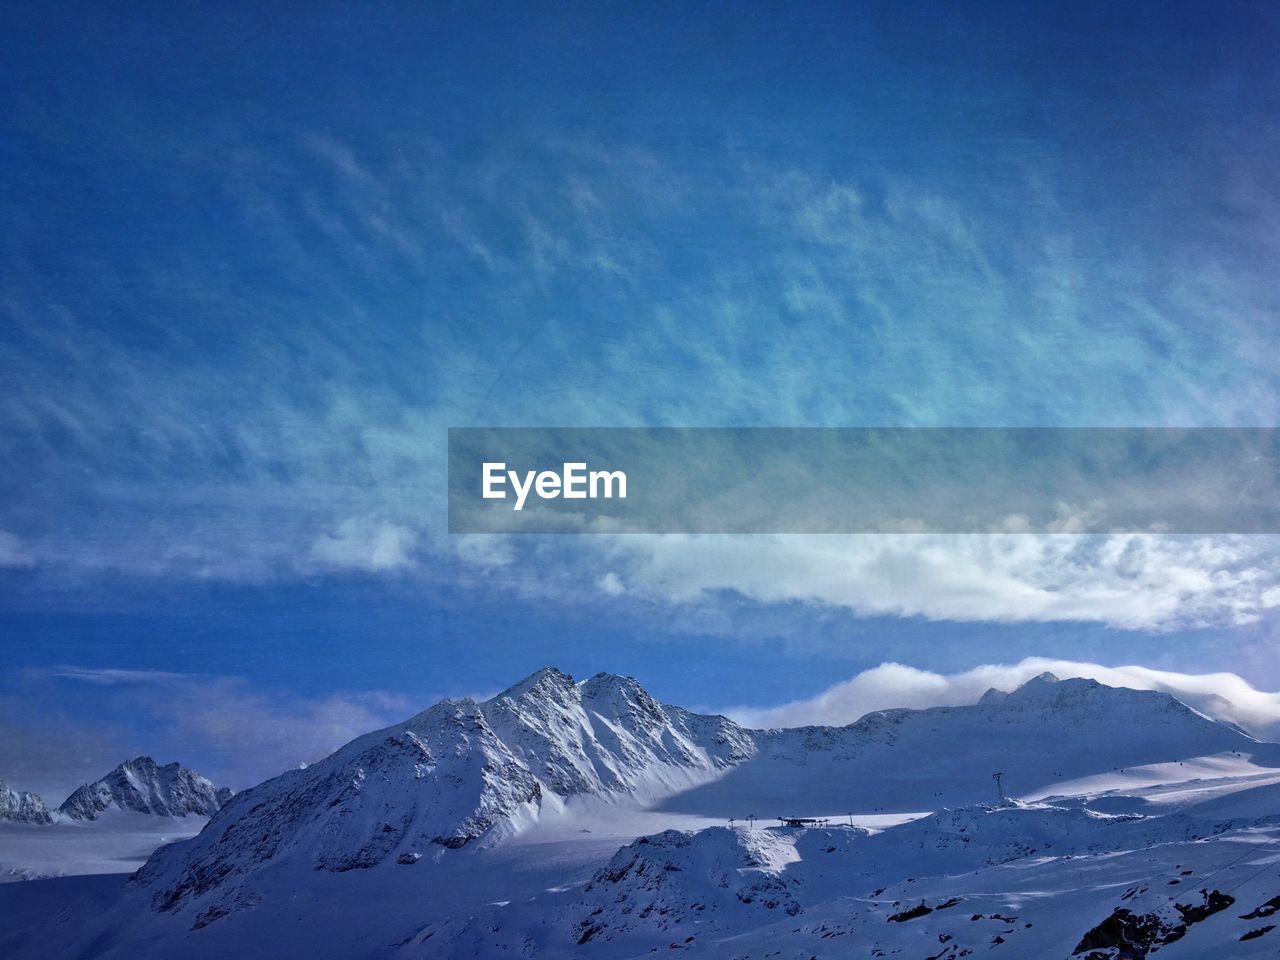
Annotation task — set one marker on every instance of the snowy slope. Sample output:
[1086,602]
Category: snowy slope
[143,786]
[21,806]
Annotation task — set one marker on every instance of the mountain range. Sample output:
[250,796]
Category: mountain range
[565,816]
[139,786]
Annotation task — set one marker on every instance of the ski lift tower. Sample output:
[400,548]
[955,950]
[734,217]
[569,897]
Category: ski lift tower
[999,788]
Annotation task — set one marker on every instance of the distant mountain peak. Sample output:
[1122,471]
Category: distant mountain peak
[1038,684]
[141,785]
[1049,687]
[22,806]
[1043,680]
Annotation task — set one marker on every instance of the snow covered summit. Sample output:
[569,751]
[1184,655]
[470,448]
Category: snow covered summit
[143,786]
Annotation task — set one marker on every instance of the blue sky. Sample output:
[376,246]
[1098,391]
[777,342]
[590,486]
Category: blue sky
[258,261]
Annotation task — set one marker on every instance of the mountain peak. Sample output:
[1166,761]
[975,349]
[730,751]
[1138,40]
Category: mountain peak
[1040,683]
[546,680]
[1042,679]
[143,786]
[22,806]
[611,681]
[145,764]
[622,696]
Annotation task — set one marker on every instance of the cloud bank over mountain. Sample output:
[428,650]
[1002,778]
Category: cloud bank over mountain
[1224,696]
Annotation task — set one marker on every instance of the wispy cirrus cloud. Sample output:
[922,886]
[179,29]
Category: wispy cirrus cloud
[110,676]
[617,284]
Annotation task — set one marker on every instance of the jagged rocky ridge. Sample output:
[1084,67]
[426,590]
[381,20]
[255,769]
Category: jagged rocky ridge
[143,786]
[464,774]
[21,806]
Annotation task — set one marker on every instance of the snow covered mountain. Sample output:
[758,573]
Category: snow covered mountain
[20,806]
[143,786]
[459,772]
[585,819]
[464,772]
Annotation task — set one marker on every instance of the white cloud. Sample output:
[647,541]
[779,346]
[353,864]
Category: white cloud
[1223,695]
[1132,581]
[365,545]
[486,551]
[611,584]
